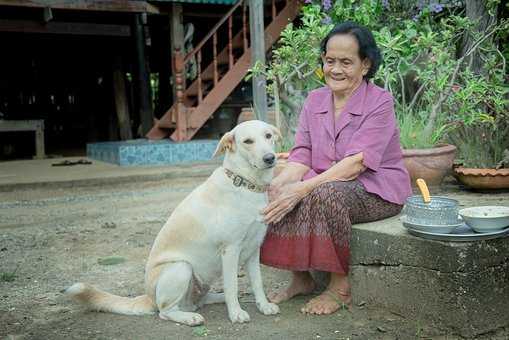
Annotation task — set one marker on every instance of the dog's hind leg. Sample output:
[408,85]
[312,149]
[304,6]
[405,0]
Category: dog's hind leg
[211,298]
[172,290]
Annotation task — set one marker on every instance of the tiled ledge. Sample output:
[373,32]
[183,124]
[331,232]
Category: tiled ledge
[142,152]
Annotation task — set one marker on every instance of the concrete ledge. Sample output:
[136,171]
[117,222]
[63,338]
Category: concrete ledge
[140,152]
[462,286]
[31,174]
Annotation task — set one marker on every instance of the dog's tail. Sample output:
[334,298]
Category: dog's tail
[102,301]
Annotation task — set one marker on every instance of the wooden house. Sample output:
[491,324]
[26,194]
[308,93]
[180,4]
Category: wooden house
[100,70]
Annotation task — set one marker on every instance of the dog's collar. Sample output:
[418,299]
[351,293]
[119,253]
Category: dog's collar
[240,181]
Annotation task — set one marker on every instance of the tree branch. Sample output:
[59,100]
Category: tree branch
[428,129]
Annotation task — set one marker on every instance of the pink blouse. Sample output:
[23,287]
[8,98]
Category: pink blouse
[366,124]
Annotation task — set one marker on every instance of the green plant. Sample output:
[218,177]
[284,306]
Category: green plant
[8,276]
[482,144]
[432,87]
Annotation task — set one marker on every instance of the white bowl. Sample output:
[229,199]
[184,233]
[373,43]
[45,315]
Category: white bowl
[486,219]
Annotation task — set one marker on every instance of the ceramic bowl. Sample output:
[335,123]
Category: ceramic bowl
[486,218]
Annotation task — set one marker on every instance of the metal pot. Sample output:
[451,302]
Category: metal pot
[430,210]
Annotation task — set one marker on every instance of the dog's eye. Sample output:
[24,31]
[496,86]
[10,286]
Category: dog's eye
[248,141]
[268,135]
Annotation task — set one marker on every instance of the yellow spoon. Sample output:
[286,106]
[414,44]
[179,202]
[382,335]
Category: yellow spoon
[423,187]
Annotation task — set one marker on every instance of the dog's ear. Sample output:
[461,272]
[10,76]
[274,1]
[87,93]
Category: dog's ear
[227,143]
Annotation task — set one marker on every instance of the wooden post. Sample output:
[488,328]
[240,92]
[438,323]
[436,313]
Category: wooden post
[119,91]
[165,90]
[180,113]
[177,40]
[142,77]
[257,34]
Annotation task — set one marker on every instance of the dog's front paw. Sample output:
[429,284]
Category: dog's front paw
[239,316]
[268,308]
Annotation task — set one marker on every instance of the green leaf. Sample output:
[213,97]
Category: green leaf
[411,33]
[200,331]
[111,260]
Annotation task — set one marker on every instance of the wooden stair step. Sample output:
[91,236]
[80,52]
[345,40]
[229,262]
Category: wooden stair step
[166,123]
[194,92]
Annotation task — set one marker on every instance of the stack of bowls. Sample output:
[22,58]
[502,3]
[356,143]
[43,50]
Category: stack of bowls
[433,214]
[440,215]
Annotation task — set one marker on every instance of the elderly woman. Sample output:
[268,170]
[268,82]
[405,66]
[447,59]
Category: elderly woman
[346,167]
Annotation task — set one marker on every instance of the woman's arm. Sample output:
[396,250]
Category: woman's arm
[349,168]
[292,172]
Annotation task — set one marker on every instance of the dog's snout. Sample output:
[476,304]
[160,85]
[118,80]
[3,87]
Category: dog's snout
[269,158]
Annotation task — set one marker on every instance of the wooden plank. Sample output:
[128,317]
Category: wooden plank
[39,142]
[165,88]
[257,35]
[20,125]
[86,5]
[121,107]
[26,26]
[142,77]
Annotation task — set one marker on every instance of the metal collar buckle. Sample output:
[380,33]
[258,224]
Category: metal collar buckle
[237,180]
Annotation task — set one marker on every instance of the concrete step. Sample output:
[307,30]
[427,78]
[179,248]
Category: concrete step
[461,286]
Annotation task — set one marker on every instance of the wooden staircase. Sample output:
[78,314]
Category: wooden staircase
[195,104]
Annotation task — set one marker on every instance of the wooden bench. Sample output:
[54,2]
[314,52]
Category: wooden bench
[27,125]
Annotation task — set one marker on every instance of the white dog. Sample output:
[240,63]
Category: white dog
[218,226]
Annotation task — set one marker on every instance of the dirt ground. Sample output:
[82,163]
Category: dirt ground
[50,239]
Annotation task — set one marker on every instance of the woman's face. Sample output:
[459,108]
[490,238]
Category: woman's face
[343,69]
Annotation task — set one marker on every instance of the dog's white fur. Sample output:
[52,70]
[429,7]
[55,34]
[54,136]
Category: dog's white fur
[212,231]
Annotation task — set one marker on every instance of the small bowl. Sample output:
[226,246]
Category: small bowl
[486,219]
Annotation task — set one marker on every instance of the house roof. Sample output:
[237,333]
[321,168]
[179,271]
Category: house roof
[136,6]
[213,2]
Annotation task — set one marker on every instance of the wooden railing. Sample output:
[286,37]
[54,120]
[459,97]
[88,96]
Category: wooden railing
[179,114]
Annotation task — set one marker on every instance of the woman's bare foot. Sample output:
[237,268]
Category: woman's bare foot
[302,283]
[327,303]
[336,296]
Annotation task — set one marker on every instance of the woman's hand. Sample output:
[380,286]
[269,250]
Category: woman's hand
[283,199]
[274,191]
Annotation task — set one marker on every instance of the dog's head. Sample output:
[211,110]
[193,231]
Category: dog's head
[253,141]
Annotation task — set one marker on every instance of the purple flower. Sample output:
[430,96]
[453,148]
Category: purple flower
[436,8]
[327,4]
[308,1]
[385,4]
[327,20]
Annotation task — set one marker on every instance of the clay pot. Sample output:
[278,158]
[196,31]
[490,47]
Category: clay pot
[432,164]
[483,179]
[248,114]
